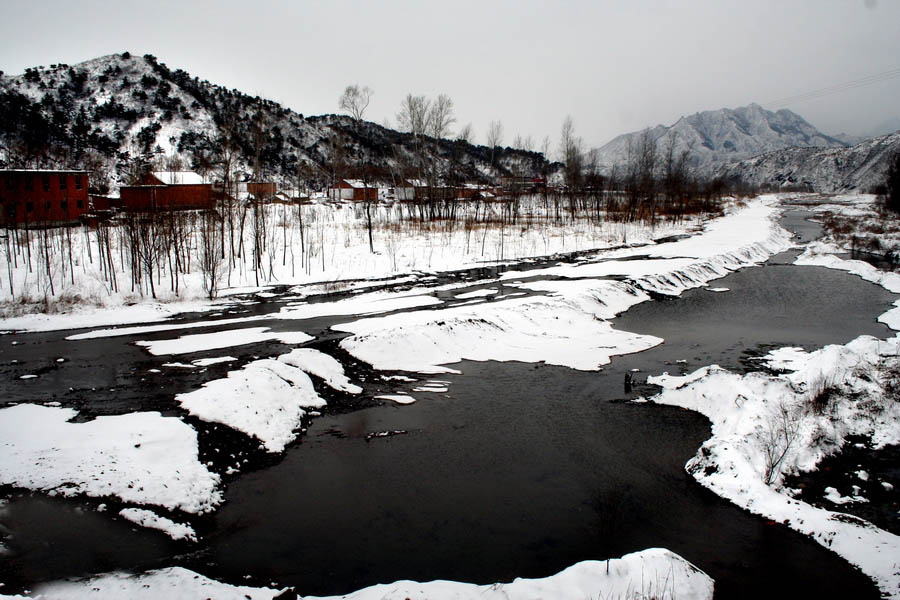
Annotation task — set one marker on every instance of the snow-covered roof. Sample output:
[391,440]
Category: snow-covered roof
[179,177]
[356,183]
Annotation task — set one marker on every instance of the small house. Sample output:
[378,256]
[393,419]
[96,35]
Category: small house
[353,189]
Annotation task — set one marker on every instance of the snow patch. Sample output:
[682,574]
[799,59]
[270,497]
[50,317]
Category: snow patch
[266,399]
[142,458]
[322,366]
[229,338]
[149,519]
[397,398]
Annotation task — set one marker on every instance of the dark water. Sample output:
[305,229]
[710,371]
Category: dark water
[519,470]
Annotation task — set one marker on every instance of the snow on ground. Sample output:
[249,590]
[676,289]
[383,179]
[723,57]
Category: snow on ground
[362,304]
[655,573]
[144,329]
[568,326]
[151,520]
[397,398]
[765,426]
[266,399]
[323,366]
[174,583]
[82,317]
[334,248]
[553,330]
[143,458]
[477,294]
[199,342]
[206,362]
[757,418]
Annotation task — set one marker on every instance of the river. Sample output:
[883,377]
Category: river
[518,470]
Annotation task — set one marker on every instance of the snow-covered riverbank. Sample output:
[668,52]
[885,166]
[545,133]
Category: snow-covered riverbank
[653,573]
[565,320]
[766,426]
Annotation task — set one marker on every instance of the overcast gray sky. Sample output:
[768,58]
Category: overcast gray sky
[613,66]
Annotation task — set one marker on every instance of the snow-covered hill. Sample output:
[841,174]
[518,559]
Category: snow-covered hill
[111,113]
[715,137]
[858,168]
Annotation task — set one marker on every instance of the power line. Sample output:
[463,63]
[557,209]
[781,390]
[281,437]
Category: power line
[837,88]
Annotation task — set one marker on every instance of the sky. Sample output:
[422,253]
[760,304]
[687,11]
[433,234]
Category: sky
[613,66]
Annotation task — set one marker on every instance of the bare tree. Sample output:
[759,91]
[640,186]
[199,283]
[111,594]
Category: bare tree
[355,100]
[440,118]
[571,150]
[413,117]
[778,435]
[466,134]
[494,137]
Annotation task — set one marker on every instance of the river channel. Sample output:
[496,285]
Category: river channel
[518,470]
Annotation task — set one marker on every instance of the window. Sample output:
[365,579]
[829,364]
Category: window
[46,181]
[29,183]
[80,203]
[47,205]
[78,182]
[62,182]
[64,204]
[10,184]
[29,206]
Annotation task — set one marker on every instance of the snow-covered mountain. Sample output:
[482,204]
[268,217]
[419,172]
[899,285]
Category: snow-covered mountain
[858,168]
[719,136]
[111,113]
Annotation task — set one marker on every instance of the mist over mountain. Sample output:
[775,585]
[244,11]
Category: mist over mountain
[120,112]
[715,137]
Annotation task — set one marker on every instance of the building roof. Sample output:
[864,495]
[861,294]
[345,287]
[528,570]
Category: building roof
[179,177]
[357,183]
[47,171]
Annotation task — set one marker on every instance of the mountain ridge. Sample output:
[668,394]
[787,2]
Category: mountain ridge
[714,137]
[116,113]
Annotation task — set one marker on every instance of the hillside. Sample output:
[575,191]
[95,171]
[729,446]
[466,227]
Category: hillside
[713,138]
[117,113]
[858,168]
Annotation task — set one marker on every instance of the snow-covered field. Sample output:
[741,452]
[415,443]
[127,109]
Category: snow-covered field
[764,426]
[331,246]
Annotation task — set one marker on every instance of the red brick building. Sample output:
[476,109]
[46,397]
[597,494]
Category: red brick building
[38,197]
[178,190]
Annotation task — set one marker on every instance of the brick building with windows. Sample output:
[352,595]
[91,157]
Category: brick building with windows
[165,191]
[42,197]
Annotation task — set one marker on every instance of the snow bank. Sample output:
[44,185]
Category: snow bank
[151,520]
[266,399]
[142,329]
[322,366]
[87,316]
[200,342]
[143,458]
[569,326]
[554,330]
[767,425]
[174,583]
[654,573]
[363,304]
